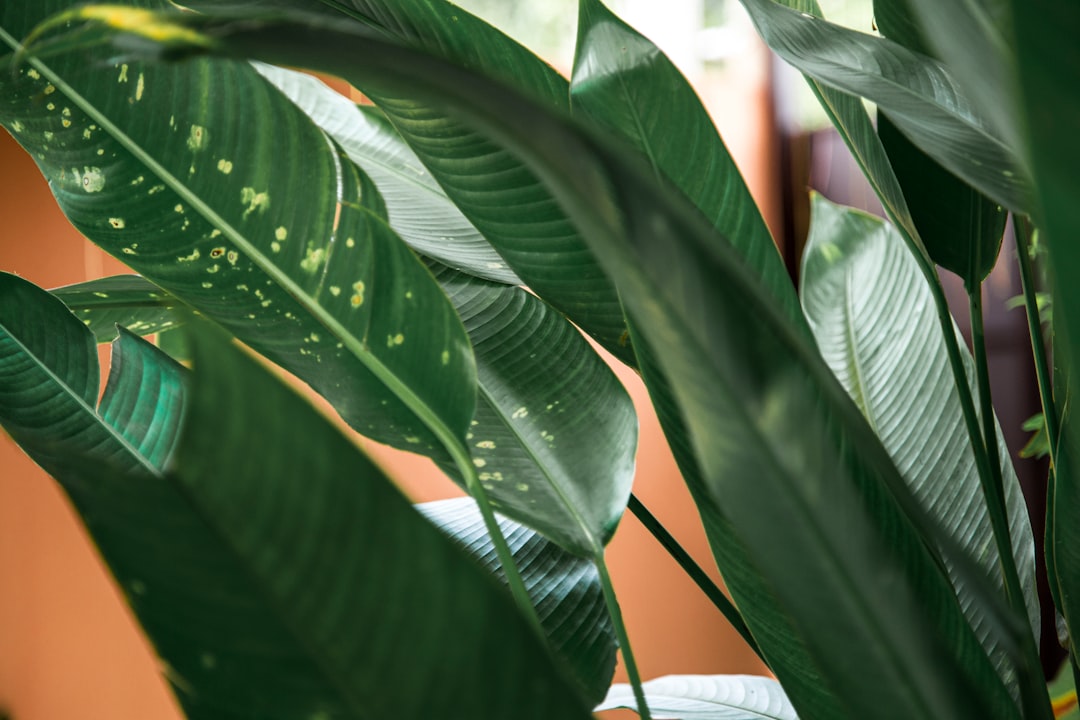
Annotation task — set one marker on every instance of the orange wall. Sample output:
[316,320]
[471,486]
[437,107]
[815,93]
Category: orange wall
[68,646]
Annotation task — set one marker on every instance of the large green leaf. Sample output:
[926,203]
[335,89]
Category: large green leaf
[708,697]
[960,227]
[921,95]
[129,301]
[1048,103]
[555,433]
[495,191]
[875,325]
[418,209]
[827,508]
[264,607]
[625,84]
[254,219]
[565,589]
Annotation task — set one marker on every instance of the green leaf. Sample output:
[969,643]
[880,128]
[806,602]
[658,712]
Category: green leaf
[299,264]
[1038,445]
[625,84]
[296,508]
[566,589]
[961,228]
[1048,103]
[708,697]
[129,301]
[555,433]
[876,327]
[927,104]
[418,209]
[497,193]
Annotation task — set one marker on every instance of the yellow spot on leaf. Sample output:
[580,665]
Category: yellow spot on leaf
[394,340]
[224,166]
[254,200]
[486,445]
[123,73]
[140,85]
[117,223]
[479,462]
[197,138]
[313,260]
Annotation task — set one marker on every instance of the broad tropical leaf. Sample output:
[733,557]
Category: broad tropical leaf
[501,197]
[418,209]
[624,83]
[960,227]
[555,433]
[770,409]
[708,697]
[129,301]
[921,95]
[565,589]
[299,264]
[875,325]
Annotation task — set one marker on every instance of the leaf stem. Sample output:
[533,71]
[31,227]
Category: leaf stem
[1022,233]
[696,573]
[620,632]
[1032,685]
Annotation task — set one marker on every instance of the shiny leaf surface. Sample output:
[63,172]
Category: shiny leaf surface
[565,589]
[875,325]
[708,697]
[126,300]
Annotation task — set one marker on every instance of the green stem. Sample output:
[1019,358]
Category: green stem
[1022,233]
[620,633]
[1032,684]
[696,573]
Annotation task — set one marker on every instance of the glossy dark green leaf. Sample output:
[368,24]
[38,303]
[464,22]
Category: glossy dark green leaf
[418,209]
[876,327]
[826,508]
[1048,103]
[317,526]
[925,101]
[961,228]
[252,218]
[565,589]
[126,300]
[555,433]
[496,192]
[625,84]
[708,697]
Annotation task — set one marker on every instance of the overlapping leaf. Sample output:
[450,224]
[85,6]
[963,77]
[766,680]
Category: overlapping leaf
[708,697]
[565,589]
[824,510]
[129,301]
[254,219]
[875,325]
[245,561]
[921,95]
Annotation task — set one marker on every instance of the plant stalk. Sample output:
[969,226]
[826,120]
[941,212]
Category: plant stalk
[1022,233]
[1032,684]
[620,633]
[696,573]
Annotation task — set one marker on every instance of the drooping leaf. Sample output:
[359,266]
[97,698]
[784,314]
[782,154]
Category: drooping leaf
[318,527]
[625,84]
[707,697]
[555,433]
[418,209]
[927,104]
[253,219]
[875,325]
[960,227]
[565,589]
[496,192]
[126,300]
